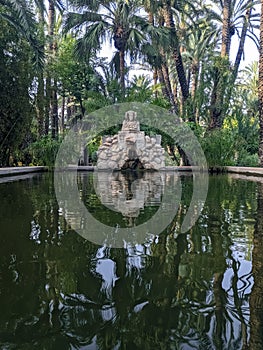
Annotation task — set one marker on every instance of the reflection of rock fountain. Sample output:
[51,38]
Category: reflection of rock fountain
[130,192]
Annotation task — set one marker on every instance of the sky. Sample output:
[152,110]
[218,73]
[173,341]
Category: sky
[251,51]
[251,54]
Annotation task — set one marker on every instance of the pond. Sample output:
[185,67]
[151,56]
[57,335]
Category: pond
[197,290]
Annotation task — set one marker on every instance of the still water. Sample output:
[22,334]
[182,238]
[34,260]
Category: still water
[198,290]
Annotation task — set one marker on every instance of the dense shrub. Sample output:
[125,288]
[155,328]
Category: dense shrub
[219,147]
[44,151]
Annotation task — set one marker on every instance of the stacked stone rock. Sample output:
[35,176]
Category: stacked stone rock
[131,148]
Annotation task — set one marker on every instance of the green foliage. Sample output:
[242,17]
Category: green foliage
[15,81]
[77,76]
[247,159]
[19,14]
[219,147]
[92,147]
[95,101]
[90,82]
[140,89]
[44,151]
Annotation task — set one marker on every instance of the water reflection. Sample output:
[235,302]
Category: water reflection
[200,290]
[136,216]
[256,297]
[129,192]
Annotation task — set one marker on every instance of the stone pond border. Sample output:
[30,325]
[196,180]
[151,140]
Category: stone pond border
[13,171]
[250,171]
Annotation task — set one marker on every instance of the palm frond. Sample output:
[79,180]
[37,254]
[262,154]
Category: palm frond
[75,20]
[91,40]
[19,15]
[254,38]
[92,5]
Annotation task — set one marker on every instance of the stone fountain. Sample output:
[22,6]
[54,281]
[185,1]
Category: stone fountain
[130,148]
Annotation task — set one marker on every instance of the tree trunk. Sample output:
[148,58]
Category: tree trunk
[155,79]
[168,17]
[169,88]
[47,103]
[63,115]
[54,110]
[52,53]
[220,83]
[181,74]
[242,41]
[40,98]
[260,89]
[122,71]
[40,104]
[195,73]
[226,37]
[163,85]
[216,108]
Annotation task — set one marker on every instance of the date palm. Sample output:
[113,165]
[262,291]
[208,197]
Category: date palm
[200,43]
[19,13]
[170,23]
[237,17]
[118,21]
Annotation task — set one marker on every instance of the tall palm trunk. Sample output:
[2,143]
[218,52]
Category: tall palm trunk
[167,81]
[62,129]
[195,73]
[242,41]
[122,71]
[240,52]
[162,82]
[40,98]
[260,89]
[217,97]
[155,70]
[216,121]
[168,17]
[155,80]
[47,102]
[164,74]
[40,104]
[226,37]
[168,85]
[195,70]
[53,110]
[120,42]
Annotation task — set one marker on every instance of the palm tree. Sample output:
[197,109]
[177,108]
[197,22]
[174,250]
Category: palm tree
[236,18]
[226,28]
[200,43]
[119,21]
[169,20]
[20,14]
[245,28]
[50,42]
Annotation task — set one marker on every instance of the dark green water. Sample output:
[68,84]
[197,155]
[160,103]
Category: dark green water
[199,290]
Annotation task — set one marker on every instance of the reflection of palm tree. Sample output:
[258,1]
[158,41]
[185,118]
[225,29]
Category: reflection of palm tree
[256,297]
